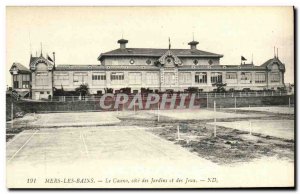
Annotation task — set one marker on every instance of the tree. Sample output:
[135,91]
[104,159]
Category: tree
[192,89]
[220,87]
[109,90]
[82,90]
[58,92]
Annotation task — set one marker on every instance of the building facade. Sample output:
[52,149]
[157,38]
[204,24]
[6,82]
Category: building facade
[155,69]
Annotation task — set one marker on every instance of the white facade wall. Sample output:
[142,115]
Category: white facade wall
[166,74]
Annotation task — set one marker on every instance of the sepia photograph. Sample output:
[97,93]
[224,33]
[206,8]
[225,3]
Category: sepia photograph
[157,97]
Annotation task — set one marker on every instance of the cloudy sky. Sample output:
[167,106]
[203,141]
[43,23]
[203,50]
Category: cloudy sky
[79,34]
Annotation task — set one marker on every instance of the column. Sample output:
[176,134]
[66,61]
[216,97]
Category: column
[209,86]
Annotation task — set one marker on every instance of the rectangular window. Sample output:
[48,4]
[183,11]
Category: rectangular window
[275,77]
[26,77]
[152,78]
[41,79]
[185,78]
[231,77]
[15,77]
[135,78]
[16,84]
[98,78]
[246,77]
[20,77]
[61,78]
[260,77]
[169,78]
[216,77]
[80,78]
[15,81]
[25,84]
[201,77]
[117,77]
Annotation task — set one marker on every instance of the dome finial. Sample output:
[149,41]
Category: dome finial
[193,44]
[41,49]
[122,43]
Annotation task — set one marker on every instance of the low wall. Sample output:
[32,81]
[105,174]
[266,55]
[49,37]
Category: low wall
[252,101]
[227,102]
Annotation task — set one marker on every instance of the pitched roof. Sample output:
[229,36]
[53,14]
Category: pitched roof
[21,68]
[271,61]
[79,67]
[153,52]
[265,64]
[32,59]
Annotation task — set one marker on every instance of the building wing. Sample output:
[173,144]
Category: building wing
[19,68]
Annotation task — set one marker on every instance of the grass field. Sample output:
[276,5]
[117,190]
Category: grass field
[276,128]
[202,114]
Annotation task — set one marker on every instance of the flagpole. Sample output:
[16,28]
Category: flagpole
[53,59]
[241,60]
[53,73]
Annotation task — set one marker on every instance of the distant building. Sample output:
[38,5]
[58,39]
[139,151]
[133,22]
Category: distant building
[156,69]
[21,79]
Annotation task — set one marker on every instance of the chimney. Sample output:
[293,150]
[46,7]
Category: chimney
[122,43]
[193,44]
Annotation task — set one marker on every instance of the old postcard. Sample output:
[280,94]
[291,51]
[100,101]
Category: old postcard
[150,97]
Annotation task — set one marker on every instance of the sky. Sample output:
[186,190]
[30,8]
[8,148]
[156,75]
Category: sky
[79,34]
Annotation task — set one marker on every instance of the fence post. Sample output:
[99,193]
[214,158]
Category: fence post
[232,94]
[224,95]
[214,106]
[158,111]
[215,120]
[234,104]
[215,128]
[207,100]
[12,115]
[215,95]
[178,135]
[280,93]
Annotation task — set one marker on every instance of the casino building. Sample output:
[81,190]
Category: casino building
[156,69]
